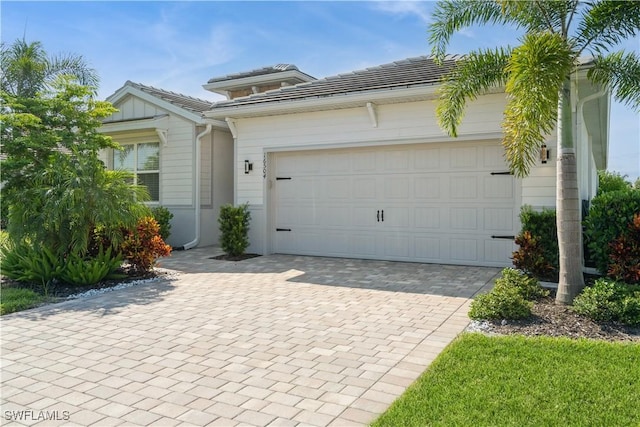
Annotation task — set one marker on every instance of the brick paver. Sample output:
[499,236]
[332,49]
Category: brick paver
[277,339]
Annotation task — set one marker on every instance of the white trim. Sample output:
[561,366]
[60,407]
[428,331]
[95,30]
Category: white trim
[156,123]
[373,114]
[326,103]
[231,122]
[390,142]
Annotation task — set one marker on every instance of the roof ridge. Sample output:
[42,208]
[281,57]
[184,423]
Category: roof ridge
[140,86]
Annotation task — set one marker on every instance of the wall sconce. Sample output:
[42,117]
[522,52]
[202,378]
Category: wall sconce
[544,153]
[248,167]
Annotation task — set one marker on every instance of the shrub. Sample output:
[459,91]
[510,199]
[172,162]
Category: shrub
[538,254]
[503,302]
[143,245]
[526,285]
[26,263]
[611,181]
[163,217]
[609,217]
[234,228]
[80,271]
[509,297]
[625,254]
[18,299]
[607,300]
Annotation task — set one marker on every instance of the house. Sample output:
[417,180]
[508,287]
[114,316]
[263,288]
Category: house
[353,165]
[356,166]
[183,159]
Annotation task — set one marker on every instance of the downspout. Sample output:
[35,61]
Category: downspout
[196,240]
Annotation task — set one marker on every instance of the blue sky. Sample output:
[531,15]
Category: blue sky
[178,46]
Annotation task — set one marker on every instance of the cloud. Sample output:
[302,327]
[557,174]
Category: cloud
[404,8]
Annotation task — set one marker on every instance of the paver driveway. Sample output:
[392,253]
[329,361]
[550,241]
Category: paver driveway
[275,340]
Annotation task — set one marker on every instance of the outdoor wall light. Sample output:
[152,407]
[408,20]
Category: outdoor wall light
[248,167]
[544,153]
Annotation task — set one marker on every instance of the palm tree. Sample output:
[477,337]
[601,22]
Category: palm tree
[536,77]
[27,69]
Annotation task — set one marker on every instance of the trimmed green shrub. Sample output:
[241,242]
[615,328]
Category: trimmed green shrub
[234,228]
[538,254]
[609,217]
[527,286]
[509,298]
[503,302]
[81,272]
[163,217]
[610,301]
[612,181]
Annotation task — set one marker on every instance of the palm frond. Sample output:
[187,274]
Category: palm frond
[536,15]
[620,73]
[605,24]
[451,16]
[72,65]
[536,72]
[476,73]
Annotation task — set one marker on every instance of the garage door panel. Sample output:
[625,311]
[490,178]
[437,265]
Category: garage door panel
[427,187]
[463,187]
[427,159]
[495,249]
[498,219]
[440,202]
[364,188]
[463,158]
[395,161]
[464,219]
[427,217]
[397,246]
[427,249]
[464,250]
[498,187]
[364,216]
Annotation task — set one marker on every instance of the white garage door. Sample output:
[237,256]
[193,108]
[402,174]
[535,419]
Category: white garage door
[439,203]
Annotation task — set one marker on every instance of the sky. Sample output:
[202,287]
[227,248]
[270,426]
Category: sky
[178,46]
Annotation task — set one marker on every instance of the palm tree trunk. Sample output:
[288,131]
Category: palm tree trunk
[568,205]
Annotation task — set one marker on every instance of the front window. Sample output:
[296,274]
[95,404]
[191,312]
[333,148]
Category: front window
[143,160]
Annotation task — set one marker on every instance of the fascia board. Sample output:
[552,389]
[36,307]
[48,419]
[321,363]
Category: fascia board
[253,80]
[325,103]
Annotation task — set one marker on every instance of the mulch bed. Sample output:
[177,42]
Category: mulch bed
[242,257]
[558,320]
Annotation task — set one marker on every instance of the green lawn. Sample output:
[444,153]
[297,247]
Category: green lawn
[518,381]
[18,299]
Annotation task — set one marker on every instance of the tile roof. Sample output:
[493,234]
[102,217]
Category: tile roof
[257,72]
[409,72]
[188,103]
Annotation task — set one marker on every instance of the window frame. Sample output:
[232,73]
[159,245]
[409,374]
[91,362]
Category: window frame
[135,170]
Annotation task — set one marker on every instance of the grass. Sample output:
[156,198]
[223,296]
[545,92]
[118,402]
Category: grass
[17,299]
[520,381]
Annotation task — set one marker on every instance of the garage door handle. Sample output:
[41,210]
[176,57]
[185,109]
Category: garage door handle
[378,216]
[382,215]
[504,237]
[283,229]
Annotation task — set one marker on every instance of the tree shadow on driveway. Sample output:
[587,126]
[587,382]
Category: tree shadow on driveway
[104,304]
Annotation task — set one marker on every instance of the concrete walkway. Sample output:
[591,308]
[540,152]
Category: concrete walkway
[274,340]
